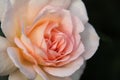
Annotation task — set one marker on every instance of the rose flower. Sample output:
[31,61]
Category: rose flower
[45,39]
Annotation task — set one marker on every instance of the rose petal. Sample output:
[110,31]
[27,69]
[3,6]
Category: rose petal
[37,35]
[17,12]
[78,52]
[34,7]
[6,65]
[29,50]
[66,70]
[12,2]
[65,15]
[60,3]
[67,25]
[38,77]
[10,24]
[77,8]
[17,75]
[74,55]
[58,78]
[49,29]
[90,40]
[78,25]
[27,43]
[42,76]
[77,75]
[3,5]
[41,73]
[26,70]
[25,51]
[40,52]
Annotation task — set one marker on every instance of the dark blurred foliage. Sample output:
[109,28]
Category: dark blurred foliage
[4,78]
[104,15]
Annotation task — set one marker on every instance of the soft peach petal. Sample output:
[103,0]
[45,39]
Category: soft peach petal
[90,40]
[77,8]
[34,7]
[49,29]
[43,76]
[60,3]
[78,25]
[27,43]
[25,51]
[42,12]
[69,48]
[40,52]
[73,56]
[17,75]
[6,65]
[66,23]
[77,75]
[37,35]
[29,50]
[25,69]
[66,70]
[78,52]
[17,12]
[41,72]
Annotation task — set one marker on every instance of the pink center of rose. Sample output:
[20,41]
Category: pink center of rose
[50,41]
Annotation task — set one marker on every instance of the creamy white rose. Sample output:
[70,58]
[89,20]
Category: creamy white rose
[49,38]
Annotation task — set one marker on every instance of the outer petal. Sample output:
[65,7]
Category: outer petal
[60,3]
[90,40]
[3,7]
[78,25]
[78,8]
[34,7]
[25,69]
[6,65]
[58,78]
[17,11]
[3,4]
[66,70]
[38,77]
[78,52]
[12,2]
[77,75]
[16,15]
[9,24]
[41,73]
[67,22]
[17,75]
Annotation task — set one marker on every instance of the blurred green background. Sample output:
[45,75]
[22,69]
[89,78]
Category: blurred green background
[105,64]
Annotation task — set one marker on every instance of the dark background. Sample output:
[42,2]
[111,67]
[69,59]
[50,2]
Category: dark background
[105,64]
[105,16]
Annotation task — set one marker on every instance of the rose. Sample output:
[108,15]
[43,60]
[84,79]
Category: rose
[29,45]
[43,38]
